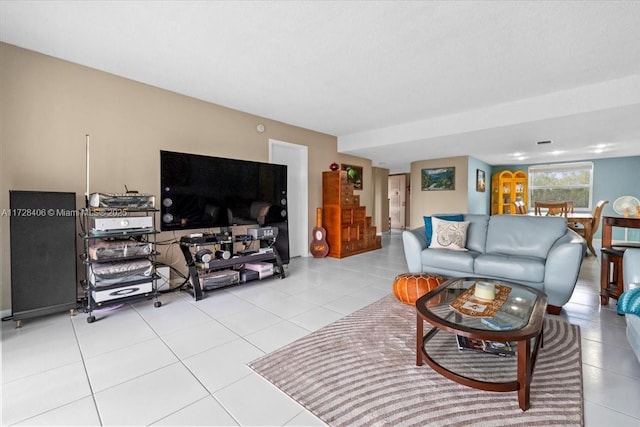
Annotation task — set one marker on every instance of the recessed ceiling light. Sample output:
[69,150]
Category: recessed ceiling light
[601,145]
[556,152]
[521,158]
[517,154]
[598,150]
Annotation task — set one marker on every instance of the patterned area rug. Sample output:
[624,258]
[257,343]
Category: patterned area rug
[360,371]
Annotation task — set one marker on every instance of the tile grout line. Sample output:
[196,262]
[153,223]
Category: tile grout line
[86,372]
[181,361]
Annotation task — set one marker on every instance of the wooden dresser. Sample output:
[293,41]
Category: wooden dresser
[349,229]
[611,278]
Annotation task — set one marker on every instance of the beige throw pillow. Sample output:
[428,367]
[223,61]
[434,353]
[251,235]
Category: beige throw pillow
[449,234]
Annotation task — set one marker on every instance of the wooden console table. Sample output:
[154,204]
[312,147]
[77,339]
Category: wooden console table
[611,280]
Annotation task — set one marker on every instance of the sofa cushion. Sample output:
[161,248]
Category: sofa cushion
[448,260]
[514,268]
[525,236]
[450,235]
[510,267]
[477,232]
[428,226]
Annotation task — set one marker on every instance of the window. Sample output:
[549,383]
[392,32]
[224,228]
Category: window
[559,182]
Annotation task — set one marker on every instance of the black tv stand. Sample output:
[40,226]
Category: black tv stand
[234,263]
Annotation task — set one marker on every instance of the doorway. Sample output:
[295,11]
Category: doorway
[294,156]
[397,201]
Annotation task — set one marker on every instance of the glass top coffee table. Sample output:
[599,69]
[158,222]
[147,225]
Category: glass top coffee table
[511,326]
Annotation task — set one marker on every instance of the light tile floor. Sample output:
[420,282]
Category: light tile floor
[185,362]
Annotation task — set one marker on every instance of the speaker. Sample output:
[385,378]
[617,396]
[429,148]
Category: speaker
[43,252]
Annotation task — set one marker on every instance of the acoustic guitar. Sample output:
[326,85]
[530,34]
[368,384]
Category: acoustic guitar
[319,247]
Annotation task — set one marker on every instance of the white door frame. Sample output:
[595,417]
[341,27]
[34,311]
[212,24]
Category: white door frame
[295,156]
[397,220]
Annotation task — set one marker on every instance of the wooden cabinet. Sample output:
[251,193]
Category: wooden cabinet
[349,229]
[507,188]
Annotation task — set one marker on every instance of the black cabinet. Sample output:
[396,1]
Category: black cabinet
[43,253]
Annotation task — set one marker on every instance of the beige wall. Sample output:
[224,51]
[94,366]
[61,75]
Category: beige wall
[48,105]
[381,197]
[432,202]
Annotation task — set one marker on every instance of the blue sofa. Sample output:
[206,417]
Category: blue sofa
[631,277]
[541,252]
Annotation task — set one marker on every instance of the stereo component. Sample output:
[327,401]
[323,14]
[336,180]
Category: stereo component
[100,295]
[248,275]
[219,279]
[122,223]
[263,232]
[203,255]
[109,250]
[199,238]
[111,273]
[122,200]
[264,269]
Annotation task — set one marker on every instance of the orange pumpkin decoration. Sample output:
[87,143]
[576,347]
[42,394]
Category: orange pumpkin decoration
[408,287]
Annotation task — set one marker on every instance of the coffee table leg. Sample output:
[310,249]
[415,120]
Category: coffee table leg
[524,373]
[419,338]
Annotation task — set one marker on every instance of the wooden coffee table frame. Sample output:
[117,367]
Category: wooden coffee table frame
[526,358]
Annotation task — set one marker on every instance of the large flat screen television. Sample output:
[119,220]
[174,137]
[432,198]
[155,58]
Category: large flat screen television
[204,192]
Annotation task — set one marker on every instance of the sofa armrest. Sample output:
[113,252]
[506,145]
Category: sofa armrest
[631,266]
[414,242]
[562,267]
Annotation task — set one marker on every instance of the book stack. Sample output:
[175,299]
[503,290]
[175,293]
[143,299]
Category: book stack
[493,347]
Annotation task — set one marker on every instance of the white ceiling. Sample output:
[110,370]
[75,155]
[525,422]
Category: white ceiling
[394,81]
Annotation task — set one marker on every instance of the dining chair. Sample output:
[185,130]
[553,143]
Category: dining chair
[595,222]
[570,206]
[553,208]
[521,209]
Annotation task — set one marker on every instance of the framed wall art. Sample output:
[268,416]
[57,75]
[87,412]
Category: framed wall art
[481,181]
[439,179]
[354,175]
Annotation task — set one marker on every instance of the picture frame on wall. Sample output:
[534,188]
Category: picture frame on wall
[481,181]
[435,179]
[354,175]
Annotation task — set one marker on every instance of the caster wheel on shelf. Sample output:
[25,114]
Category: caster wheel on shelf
[91,319]
[157,304]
